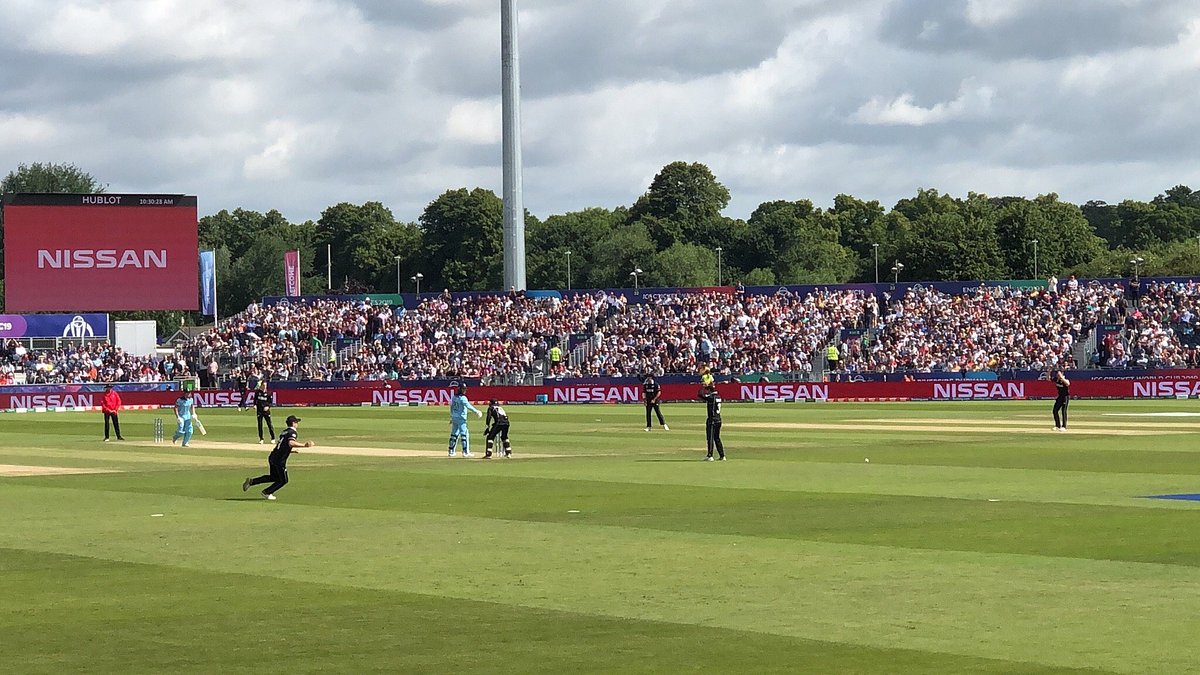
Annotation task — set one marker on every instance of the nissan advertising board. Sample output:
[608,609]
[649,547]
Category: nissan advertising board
[73,252]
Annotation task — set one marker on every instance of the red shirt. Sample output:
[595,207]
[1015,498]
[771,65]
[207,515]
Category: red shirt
[111,402]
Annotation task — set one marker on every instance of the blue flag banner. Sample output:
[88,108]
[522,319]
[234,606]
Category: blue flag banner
[208,283]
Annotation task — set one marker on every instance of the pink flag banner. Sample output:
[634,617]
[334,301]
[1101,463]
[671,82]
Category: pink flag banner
[291,273]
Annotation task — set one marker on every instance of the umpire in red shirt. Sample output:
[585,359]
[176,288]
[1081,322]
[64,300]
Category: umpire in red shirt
[110,404]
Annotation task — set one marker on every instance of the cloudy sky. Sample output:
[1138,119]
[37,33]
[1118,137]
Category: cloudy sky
[300,104]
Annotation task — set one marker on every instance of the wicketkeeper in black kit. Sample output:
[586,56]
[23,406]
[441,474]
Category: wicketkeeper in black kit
[497,425]
[712,427]
[277,461]
[262,407]
[651,393]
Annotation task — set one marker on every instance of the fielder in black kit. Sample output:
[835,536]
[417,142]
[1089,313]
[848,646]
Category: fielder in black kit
[262,407]
[277,461]
[497,425]
[651,392]
[712,426]
[1062,401]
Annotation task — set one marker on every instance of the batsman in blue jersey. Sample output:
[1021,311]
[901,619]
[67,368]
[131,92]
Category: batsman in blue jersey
[183,418]
[459,406]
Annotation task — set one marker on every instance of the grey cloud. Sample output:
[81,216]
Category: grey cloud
[615,90]
[1045,30]
[577,46]
[34,81]
[414,14]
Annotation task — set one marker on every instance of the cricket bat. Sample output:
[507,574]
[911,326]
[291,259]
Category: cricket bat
[200,426]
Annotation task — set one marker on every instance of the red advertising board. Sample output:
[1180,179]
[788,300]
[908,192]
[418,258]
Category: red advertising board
[103,252]
[377,393]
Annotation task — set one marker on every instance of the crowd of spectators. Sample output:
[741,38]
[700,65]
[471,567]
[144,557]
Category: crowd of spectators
[509,338]
[1164,329]
[85,362]
[993,328]
[494,337]
[729,334]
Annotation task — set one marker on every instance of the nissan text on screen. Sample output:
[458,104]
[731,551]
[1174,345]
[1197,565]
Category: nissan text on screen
[100,252]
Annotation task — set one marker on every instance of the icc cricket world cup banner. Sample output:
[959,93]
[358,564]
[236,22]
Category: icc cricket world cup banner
[291,273]
[53,325]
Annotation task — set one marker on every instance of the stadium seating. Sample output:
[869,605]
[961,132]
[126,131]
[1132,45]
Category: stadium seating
[510,338]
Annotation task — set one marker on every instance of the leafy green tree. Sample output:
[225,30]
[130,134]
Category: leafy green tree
[1020,222]
[236,231]
[1072,239]
[1172,220]
[259,271]
[1132,224]
[625,249]
[950,239]
[684,203]
[462,240]
[769,232]
[1137,229]
[1110,263]
[1180,195]
[863,229]
[682,265]
[374,250]
[50,177]
[799,241]
[338,231]
[580,232]
[1104,221]
[759,276]
[47,177]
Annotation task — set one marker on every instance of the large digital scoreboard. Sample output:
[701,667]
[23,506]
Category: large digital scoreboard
[100,252]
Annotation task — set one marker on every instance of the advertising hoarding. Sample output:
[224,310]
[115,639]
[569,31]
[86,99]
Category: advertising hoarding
[74,252]
[53,325]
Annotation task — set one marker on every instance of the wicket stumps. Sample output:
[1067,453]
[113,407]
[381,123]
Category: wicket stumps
[158,430]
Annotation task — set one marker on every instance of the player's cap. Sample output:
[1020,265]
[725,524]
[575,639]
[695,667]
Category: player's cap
[292,419]
[107,386]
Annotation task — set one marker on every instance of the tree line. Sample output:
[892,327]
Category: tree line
[677,235]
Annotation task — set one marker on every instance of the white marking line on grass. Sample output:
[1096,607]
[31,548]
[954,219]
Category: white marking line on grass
[19,470]
[1075,423]
[937,428]
[134,457]
[346,451]
[1153,414]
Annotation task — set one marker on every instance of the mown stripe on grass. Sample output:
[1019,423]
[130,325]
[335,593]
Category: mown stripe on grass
[1033,528]
[979,483]
[1124,617]
[79,614]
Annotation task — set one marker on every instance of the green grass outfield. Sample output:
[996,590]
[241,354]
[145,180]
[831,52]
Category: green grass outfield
[975,540]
